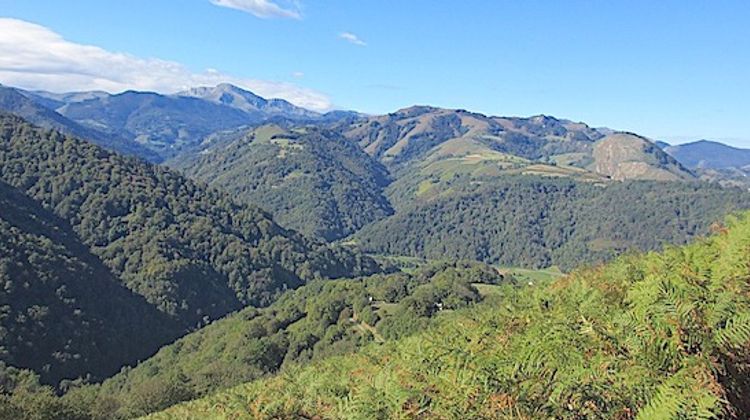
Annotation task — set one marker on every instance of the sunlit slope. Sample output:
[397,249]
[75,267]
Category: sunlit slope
[662,335]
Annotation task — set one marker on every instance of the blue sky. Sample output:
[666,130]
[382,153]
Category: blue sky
[674,70]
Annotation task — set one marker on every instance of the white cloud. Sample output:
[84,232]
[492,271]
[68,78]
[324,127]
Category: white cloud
[34,57]
[261,8]
[354,39]
[298,74]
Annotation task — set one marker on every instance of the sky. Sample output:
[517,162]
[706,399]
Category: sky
[670,70]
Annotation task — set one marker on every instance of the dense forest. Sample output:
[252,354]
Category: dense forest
[653,336]
[62,312]
[538,222]
[190,250]
[311,180]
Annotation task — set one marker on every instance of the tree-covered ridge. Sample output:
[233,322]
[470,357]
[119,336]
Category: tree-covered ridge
[62,313]
[657,336]
[190,250]
[537,222]
[311,180]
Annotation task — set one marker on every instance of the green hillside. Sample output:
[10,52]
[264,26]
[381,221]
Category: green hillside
[191,251]
[257,302]
[62,312]
[536,221]
[311,180]
[662,335]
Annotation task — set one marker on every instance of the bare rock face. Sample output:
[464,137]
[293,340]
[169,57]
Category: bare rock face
[623,156]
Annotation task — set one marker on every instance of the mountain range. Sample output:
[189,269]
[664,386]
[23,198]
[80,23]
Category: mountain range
[213,237]
[158,127]
[151,125]
[707,154]
[37,112]
[354,177]
[229,95]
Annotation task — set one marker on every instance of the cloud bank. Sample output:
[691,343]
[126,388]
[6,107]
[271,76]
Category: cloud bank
[263,9]
[34,57]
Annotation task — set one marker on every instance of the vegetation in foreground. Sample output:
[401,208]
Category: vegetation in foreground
[319,320]
[661,335]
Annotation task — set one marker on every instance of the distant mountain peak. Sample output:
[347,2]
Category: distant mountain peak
[229,86]
[711,143]
[709,154]
[218,89]
[247,101]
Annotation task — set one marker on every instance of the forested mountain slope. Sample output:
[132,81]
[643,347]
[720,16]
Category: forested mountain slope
[537,222]
[649,337]
[311,180]
[319,320]
[64,315]
[189,250]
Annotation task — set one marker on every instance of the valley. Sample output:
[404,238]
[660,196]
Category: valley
[374,210]
[266,261]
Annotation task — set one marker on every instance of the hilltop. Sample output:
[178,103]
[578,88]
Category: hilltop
[313,180]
